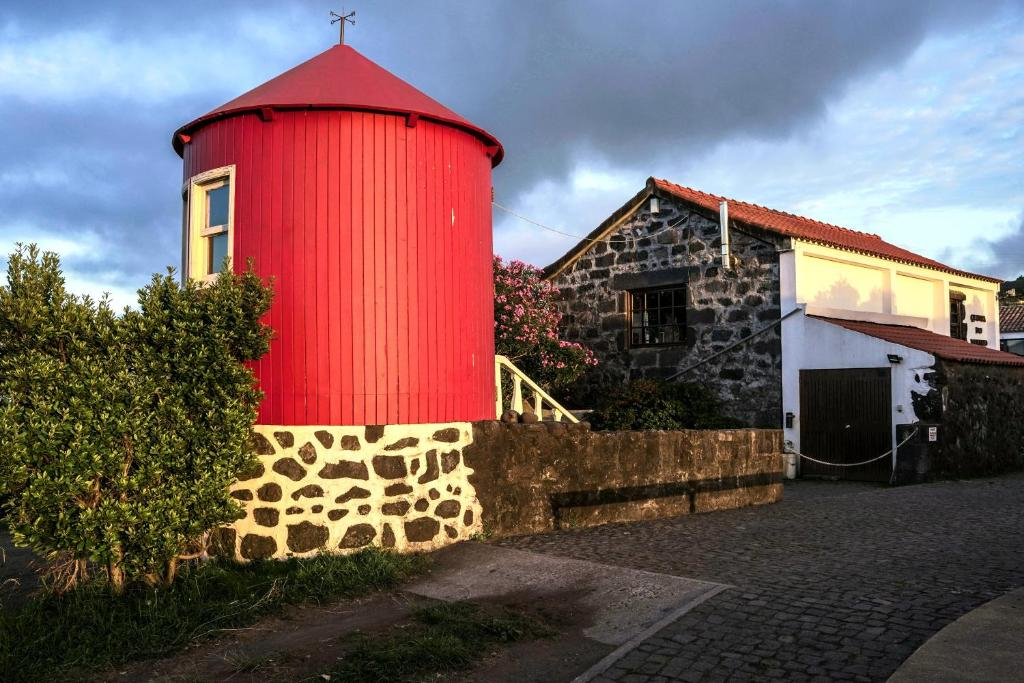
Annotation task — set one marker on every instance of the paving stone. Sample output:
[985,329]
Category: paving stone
[840,581]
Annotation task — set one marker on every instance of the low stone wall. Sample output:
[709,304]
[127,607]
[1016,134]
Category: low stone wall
[342,488]
[979,411]
[532,478]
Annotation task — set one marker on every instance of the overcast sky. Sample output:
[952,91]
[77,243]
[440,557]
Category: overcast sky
[901,118]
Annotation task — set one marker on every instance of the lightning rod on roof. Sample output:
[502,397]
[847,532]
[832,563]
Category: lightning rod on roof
[342,19]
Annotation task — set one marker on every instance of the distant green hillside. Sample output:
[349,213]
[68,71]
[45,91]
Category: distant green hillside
[1012,291]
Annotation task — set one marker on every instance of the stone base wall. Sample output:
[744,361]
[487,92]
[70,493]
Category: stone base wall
[342,488]
[979,412]
[532,478]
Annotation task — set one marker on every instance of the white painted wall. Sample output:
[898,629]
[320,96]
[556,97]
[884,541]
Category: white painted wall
[843,284]
[835,283]
[809,344]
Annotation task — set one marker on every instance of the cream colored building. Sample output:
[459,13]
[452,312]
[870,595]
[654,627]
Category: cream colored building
[842,283]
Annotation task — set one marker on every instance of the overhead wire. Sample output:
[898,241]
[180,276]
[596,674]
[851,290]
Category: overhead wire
[541,225]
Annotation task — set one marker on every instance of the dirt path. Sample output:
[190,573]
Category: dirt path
[300,643]
[594,610]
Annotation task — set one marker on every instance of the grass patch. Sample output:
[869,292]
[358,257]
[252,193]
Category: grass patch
[442,638]
[67,637]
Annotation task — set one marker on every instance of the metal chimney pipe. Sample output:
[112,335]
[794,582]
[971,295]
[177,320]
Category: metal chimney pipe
[723,218]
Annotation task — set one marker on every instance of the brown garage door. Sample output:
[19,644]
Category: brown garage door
[846,417]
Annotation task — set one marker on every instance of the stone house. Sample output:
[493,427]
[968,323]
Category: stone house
[658,259]
[1011,328]
[832,334]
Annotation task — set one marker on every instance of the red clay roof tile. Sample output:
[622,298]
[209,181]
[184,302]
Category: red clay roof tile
[938,345]
[809,229]
[1011,318]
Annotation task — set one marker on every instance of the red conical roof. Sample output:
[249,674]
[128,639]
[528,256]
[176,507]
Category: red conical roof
[340,78]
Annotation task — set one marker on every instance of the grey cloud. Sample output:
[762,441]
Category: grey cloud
[561,81]
[116,177]
[1006,253]
[557,82]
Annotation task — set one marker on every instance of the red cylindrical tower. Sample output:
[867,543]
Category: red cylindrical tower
[369,205]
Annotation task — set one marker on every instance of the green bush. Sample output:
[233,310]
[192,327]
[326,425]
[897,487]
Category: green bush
[121,433]
[653,404]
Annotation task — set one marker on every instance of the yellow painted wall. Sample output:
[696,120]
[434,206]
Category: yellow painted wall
[887,291]
[832,284]
[915,296]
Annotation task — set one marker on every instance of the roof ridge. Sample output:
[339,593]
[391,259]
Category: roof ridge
[820,222]
[812,229]
[774,210]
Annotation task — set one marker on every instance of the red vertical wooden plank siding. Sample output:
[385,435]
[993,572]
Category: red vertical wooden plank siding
[412,378]
[464,398]
[401,330]
[346,268]
[378,193]
[332,265]
[431,191]
[449,276]
[370,275]
[390,335]
[321,379]
[307,278]
[276,172]
[423,275]
[358,322]
[287,264]
[378,240]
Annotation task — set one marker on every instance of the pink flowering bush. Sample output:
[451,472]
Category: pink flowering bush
[526,326]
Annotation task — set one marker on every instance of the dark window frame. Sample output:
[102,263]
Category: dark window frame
[677,305]
[958,316]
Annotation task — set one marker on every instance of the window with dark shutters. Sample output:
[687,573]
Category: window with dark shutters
[957,316]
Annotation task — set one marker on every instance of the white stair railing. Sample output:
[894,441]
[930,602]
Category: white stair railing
[536,401]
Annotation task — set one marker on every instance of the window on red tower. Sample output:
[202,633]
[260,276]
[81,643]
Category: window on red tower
[210,197]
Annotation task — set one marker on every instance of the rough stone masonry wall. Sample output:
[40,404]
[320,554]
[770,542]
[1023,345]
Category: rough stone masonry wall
[679,244]
[980,413]
[532,478]
[342,488]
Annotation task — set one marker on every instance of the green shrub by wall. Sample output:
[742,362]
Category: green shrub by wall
[120,433]
[653,404]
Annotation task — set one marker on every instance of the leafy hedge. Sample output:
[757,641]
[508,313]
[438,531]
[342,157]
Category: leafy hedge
[120,433]
[653,404]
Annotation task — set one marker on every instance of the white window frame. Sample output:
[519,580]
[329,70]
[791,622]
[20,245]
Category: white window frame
[197,233]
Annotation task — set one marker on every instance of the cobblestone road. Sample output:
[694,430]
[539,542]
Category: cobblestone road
[837,582]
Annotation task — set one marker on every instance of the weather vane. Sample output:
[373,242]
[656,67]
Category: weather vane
[343,19]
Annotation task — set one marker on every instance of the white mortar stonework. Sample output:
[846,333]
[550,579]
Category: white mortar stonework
[338,489]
